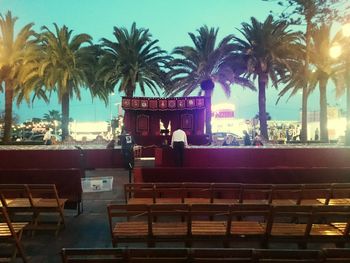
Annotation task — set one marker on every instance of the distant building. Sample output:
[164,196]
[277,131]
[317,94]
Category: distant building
[88,131]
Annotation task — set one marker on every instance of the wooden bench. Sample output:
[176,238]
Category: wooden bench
[231,193]
[34,200]
[12,232]
[203,255]
[224,223]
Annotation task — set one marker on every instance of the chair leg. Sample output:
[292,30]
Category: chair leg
[19,248]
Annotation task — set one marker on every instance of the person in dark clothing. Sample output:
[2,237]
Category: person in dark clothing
[111,144]
[127,143]
[246,138]
[178,143]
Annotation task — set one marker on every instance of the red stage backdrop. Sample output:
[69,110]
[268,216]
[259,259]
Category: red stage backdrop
[143,116]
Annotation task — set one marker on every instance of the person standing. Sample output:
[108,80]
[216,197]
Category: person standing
[317,134]
[127,143]
[246,138]
[178,143]
[47,137]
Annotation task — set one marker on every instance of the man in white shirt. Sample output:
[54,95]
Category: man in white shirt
[178,143]
[47,137]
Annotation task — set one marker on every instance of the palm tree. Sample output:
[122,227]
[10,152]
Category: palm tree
[134,59]
[15,52]
[202,66]
[53,115]
[267,49]
[63,67]
[324,69]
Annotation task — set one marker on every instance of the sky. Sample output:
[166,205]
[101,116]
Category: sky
[169,21]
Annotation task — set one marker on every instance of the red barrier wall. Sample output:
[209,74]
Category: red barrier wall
[243,175]
[257,157]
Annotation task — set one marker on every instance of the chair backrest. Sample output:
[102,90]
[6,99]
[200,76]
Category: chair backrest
[212,255]
[10,191]
[155,255]
[340,190]
[333,214]
[43,191]
[286,191]
[94,255]
[256,192]
[287,255]
[168,190]
[315,191]
[139,190]
[197,190]
[290,214]
[226,190]
[336,255]
[210,212]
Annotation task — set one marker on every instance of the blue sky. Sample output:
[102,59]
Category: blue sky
[169,21]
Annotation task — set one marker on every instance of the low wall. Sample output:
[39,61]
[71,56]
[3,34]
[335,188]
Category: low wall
[243,175]
[257,157]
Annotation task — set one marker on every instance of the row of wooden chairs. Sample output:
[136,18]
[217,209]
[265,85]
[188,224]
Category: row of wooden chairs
[11,232]
[225,223]
[203,255]
[279,194]
[33,200]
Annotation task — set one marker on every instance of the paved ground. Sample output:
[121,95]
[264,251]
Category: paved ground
[90,229]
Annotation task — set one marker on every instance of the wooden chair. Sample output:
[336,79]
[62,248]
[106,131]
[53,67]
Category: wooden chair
[209,221]
[340,194]
[330,224]
[336,255]
[142,193]
[94,255]
[315,194]
[169,193]
[289,224]
[128,223]
[197,193]
[256,194]
[16,198]
[286,255]
[44,199]
[211,255]
[12,232]
[226,193]
[158,255]
[246,221]
[285,194]
[168,222]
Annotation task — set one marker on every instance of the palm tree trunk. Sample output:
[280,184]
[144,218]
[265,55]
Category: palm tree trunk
[303,132]
[65,115]
[8,112]
[208,93]
[323,111]
[129,92]
[207,86]
[262,105]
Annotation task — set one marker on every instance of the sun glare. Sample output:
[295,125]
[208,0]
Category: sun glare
[335,51]
[346,30]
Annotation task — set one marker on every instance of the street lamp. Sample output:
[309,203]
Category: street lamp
[335,52]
